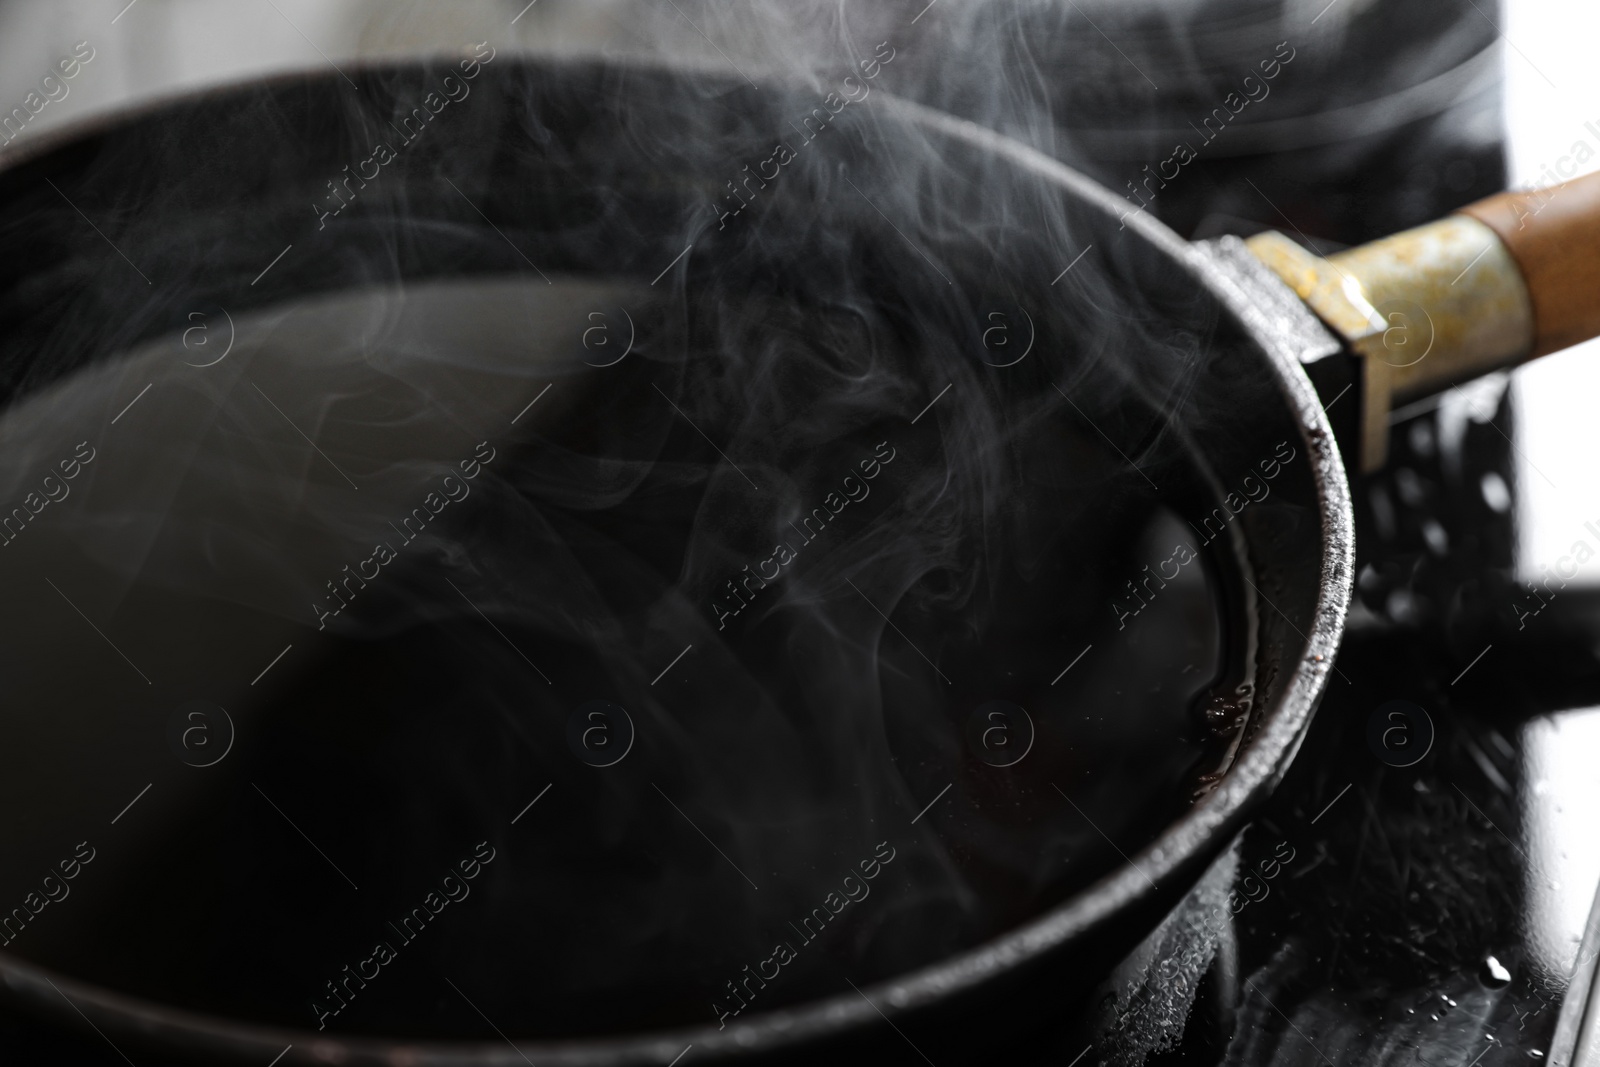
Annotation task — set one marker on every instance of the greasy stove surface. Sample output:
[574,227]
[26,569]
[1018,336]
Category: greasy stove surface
[1399,931]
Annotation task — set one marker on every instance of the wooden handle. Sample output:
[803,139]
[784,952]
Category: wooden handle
[1554,236]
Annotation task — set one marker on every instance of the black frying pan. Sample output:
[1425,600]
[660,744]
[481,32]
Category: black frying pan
[1068,394]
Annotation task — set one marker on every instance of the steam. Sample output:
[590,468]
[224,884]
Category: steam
[859,453]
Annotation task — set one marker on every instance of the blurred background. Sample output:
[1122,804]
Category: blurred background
[1388,114]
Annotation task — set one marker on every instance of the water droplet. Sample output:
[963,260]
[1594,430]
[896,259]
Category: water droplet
[1493,974]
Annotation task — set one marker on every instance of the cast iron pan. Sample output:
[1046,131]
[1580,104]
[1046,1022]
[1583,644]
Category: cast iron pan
[259,744]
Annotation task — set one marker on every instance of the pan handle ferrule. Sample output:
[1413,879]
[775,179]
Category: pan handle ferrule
[1424,309]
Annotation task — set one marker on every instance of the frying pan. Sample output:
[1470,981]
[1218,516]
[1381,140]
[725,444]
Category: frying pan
[115,231]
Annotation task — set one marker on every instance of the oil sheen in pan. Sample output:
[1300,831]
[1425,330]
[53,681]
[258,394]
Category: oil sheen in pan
[624,666]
